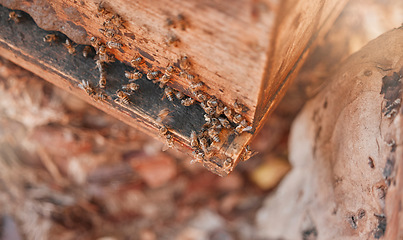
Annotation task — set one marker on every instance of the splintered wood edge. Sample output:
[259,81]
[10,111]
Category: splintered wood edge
[23,44]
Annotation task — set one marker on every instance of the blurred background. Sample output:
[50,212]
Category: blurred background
[69,171]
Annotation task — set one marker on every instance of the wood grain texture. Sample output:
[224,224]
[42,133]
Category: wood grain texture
[242,50]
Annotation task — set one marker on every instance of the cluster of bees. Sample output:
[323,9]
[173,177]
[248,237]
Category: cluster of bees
[217,115]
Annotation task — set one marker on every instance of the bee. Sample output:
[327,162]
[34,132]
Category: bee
[117,21]
[207,118]
[108,32]
[50,38]
[137,60]
[239,108]
[102,10]
[228,112]
[101,96]
[187,75]
[198,157]
[224,122]
[169,142]
[69,45]
[100,65]
[131,87]
[169,93]
[182,23]
[212,102]
[240,129]
[163,131]
[163,115]
[152,75]
[194,143]
[179,95]
[237,118]
[164,80]
[201,96]
[86,86]
[228,162]
[219,109]
[172,39]
[133,75]
[210,111]
[115,45]
[95,42]
[184,63]
[187,102]
[14,16]
[106,58]
[87,51]
[247,154]
[196,86]
[102,79]
[122,97]
[170,70]
[204,144]
[215,123]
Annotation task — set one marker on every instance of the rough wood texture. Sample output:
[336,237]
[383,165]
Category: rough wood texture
[242,50]
[225,46]
[345,148]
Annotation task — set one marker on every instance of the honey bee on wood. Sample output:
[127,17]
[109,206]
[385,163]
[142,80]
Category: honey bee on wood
[237,118]
[163,131]
[86,86]
[106,58]
[204,144]
[209,110]
[187,102]
[181,21]
[194,87]
[198,157]
[133,75]
[163,115]
[170,70]
[247,154]
[187,75]
[102,79]
[215,123]
[69,45]
[228,112]
[169,142]
[100,65]
[102,10]
[212,102]
[169,93]
[164,80]
[201,96]
[219,109]
[87,51]
[224,122]
[14,16]
[101,96]
[172,39]
[108,32]
[122,97]
[117,21]
[152,75]
[50,38]
[137,60]
[95,42]
[179,95]
[131,87]
[240,129]
[238,107]
[184,63]
[115,45]
[194,142]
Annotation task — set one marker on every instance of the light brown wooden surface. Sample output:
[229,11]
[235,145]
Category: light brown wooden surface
[230,43]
